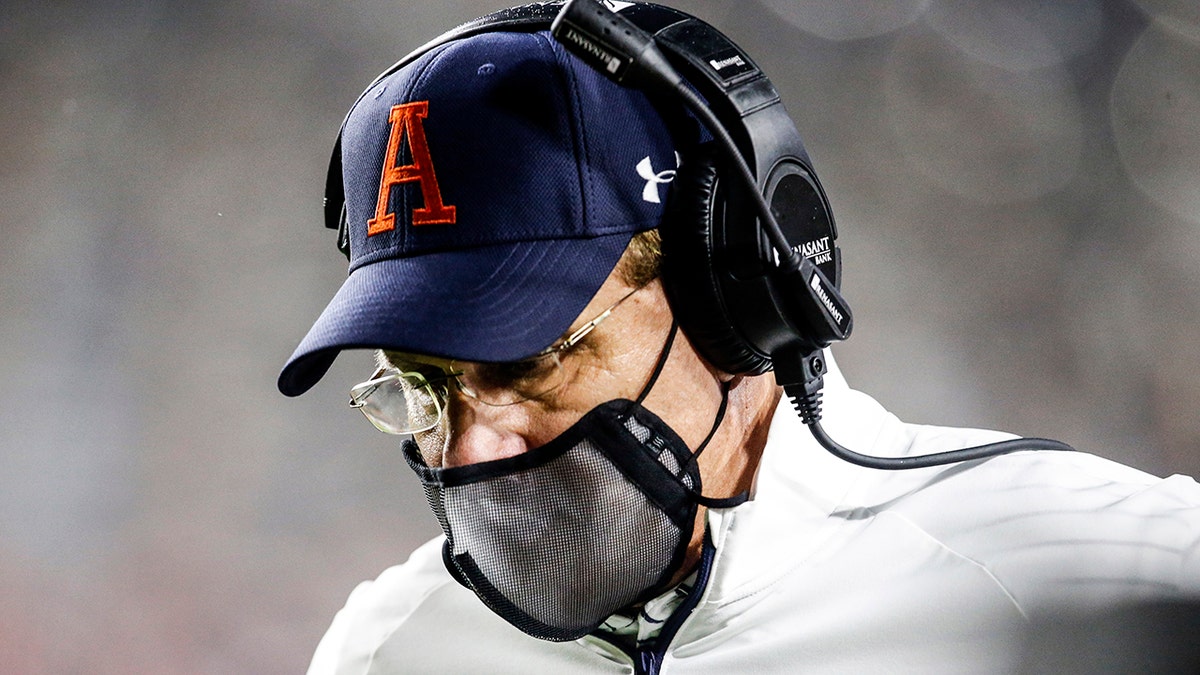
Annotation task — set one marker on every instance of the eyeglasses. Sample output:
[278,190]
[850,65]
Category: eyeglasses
[410,397]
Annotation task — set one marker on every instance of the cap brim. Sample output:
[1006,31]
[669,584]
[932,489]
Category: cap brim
[493,303]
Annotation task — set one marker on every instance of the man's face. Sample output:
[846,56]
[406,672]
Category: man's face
[613,361]
[616,360]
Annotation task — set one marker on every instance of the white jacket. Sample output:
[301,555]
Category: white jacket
[835,568]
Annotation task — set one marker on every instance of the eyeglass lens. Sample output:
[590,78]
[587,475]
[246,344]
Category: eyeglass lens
[399,403]
[412,398]
[512,382]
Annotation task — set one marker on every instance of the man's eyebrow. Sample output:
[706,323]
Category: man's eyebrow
[388,358]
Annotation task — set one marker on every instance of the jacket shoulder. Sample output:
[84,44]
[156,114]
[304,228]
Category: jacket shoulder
[416,618]
[377,608]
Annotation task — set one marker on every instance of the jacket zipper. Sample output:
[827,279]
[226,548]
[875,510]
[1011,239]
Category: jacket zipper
[647,660]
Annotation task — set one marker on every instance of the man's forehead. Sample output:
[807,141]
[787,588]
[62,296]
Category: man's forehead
[388,358]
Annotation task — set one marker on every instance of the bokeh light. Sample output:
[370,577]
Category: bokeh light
[1181,16]
[978,130]
[1156,119]
[1019,35]
[838,20]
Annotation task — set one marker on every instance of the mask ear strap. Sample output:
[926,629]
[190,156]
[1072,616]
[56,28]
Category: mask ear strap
[714,502]
[662,361]
[724,503]
[710,502]
[716,423]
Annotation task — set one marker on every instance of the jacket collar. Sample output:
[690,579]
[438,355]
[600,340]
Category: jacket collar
[797,487]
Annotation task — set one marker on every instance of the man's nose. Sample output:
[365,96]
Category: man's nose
[482,433]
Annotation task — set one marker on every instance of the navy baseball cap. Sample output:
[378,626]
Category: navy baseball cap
[491,186]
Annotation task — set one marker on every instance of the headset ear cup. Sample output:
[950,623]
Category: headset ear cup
[692,232]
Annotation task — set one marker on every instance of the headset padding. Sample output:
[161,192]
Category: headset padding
[690,237]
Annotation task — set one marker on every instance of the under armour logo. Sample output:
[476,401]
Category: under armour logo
[654,178]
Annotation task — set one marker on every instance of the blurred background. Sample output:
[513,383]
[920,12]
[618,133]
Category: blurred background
[1015,184]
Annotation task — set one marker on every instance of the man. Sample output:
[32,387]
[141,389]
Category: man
[613,501]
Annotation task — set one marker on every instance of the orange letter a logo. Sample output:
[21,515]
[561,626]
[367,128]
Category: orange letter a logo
[406,122]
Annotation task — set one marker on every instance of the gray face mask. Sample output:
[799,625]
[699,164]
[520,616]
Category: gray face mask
[559,538]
